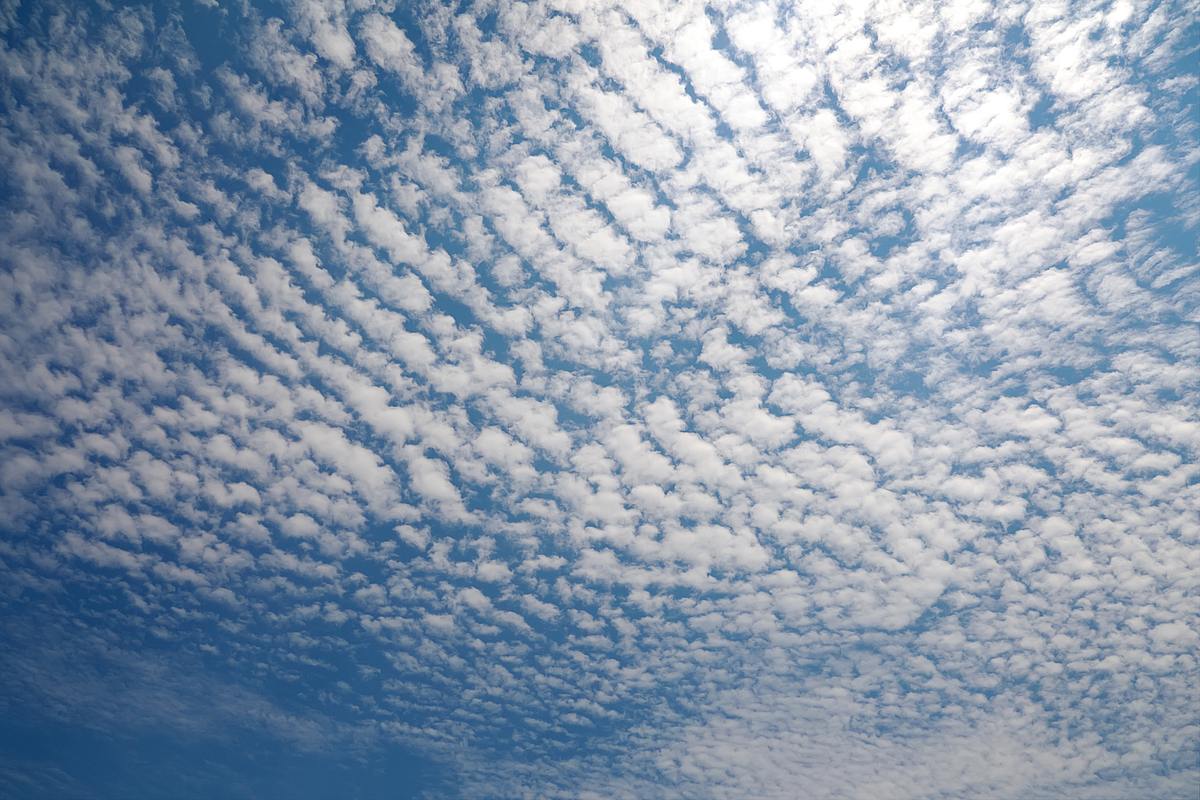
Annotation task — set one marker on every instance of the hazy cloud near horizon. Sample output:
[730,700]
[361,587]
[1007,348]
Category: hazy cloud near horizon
[588,400]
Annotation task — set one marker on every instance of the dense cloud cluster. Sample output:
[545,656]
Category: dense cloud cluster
[646,399]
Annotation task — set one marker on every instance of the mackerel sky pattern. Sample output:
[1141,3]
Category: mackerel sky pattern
[580,399]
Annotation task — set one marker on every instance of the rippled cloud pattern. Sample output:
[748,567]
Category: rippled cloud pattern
[577,399]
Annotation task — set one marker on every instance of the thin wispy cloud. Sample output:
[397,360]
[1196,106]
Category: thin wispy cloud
[575,399]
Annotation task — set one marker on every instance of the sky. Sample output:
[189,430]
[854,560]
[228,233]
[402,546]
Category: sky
[577,399]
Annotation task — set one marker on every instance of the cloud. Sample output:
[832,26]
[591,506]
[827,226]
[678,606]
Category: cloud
[637,399]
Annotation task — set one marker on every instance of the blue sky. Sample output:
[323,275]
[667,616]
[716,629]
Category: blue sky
[587,400]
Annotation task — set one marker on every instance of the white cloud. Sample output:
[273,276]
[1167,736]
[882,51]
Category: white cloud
[586,395]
